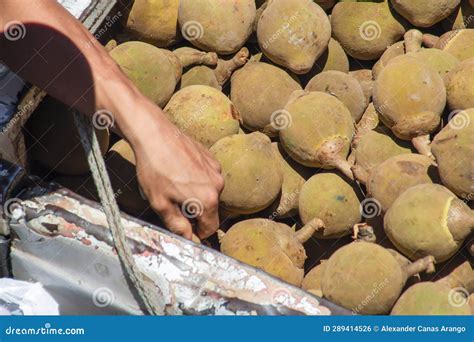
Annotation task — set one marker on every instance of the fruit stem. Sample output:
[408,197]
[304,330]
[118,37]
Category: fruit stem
[425,264]
[413,40]
[189,56]
[345,167]
[225,68]
[111,44]
[429,40]
[220,235]
[309,229]
[422,144]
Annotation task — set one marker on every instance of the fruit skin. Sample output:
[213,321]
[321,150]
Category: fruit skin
[364,277]
[461,18]
[344,87]
[440,60]
[459,86]
[366,81]
[331,199]
[55,142]
[258,90]
[144,16]
[428,219]
[320,132]
[293,34]
[420,100]
[450,147]
[252,173]
[459,43]
[424,13]
[219,26]
[394,50]
[373,148]
[428,298]
[365,29]
[149,68]
[203,113]
[395,175]
[268,245]
[333,58]
[312,280]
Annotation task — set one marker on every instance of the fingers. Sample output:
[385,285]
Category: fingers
[174,219]
[208,221]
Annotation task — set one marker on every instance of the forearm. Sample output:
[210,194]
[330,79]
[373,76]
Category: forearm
[60,56]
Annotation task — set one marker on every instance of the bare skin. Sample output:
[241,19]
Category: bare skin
[60,56]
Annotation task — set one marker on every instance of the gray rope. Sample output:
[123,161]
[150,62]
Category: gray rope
[96,162]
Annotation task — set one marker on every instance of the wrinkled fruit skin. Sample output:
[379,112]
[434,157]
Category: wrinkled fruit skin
[145,15]
[450,147]
[328,197]
[420,98]
[316,118]
[312,280]
[429,298]
[203,113]
[56,144]
[148,68]
[459,86]
[395,175]
[365,30]
[218,26]
[418,222]
[251,171]
[459,43]
[268,245]
[293,34]
[259,90]
[344,87]
[356,271]
[424,13]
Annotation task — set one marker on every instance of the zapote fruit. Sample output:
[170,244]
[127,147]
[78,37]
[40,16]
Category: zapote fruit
[251,170]
[320,132]
[425,13]
[459,43]
[450,147]
[333,58]
[329,198]
[365,29]
[362,270]
[459,86]
[203,113]
[447,296]
[260,91]
[428,219]
[274,247]
[218,26]
[303,33]
[144,17]
[312,280]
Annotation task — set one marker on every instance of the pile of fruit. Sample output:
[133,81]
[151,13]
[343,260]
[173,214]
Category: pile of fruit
[333,121]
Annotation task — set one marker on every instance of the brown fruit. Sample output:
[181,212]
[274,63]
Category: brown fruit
[425,13]
[459,86]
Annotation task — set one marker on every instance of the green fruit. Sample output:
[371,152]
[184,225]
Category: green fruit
[450,147]
[328,197]
[293,34]
[149,68]
[312,280]
[344,87]
[365,29]
[398,173]
[320,132]
[260,92]
[219,26]
[333,58]
[425,13]
[420,99]
[54,140]
[367,278]
[252,173]
[268,245]
[428,219]
[144,18]
[203,113]
[459,86]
